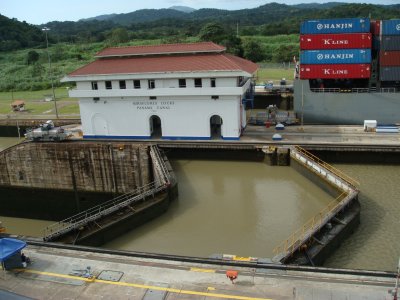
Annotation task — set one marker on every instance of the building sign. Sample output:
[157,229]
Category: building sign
[153,105]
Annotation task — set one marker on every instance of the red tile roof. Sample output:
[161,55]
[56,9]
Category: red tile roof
[161,64]
[205,47]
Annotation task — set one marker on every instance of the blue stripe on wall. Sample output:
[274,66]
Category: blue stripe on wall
[175,138]
[191,138]
[117,137]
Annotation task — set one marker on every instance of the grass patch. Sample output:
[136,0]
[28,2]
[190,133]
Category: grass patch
[61,93]
[274,74]
[69,109]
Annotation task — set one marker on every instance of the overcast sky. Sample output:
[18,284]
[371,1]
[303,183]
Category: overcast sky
[43,11]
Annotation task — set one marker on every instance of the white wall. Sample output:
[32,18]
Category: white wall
[184,112]
[181,117]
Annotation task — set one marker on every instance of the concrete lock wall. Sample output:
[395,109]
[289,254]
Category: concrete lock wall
[131,118]
[56,180]
[323,184]
[88,166]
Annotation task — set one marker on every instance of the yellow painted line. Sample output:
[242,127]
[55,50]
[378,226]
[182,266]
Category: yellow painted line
[202,270]
[240,258]
[143,286]
[55,275]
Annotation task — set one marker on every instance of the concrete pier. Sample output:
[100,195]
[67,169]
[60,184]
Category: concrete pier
[84,274]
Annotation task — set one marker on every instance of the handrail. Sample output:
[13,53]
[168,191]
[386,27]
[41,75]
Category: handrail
[343,182]
[295,240]
[388,90]
[158,158]
[325,90]
[101,210]
[354,183]
[162,180]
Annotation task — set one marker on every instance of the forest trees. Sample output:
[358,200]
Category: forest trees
[252,50]
[32,57]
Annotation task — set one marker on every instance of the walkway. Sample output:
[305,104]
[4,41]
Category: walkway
[61,274]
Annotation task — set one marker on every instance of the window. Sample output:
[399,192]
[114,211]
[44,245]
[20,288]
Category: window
[136,84]
[182,83]
[94,85]
[197,82]
[108,85]
[152,84]
[213,82]
[122,84]
[153,98]
[214,97]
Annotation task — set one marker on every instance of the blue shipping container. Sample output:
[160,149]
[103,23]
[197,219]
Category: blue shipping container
[342,56]
[391,27]
[352,25]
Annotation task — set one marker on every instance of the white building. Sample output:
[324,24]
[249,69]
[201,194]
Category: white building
[177,91]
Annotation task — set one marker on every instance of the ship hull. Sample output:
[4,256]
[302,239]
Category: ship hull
[345,108]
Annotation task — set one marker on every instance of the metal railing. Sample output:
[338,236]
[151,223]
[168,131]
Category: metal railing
[343,182]
[389,90]
[352,182]
[162,181]
[354,90]
[159,164]
[101,210]
[300,236]
[323,90]
[360,90]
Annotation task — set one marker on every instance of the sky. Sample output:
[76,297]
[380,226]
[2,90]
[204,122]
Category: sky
[43,11]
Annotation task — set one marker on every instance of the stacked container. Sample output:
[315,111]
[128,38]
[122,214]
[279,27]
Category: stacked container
[389,57]
[376,34]
[335,49]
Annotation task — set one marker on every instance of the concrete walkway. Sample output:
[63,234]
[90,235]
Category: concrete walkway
[320,134]
[64,274]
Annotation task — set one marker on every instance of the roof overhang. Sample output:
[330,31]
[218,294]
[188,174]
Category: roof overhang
[157,75]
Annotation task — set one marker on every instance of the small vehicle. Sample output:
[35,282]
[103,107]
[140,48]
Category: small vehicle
[272,116]
[47,132]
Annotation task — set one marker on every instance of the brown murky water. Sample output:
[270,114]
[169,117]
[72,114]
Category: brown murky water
[7,142]
[246,208]
[241,208]
[375,245]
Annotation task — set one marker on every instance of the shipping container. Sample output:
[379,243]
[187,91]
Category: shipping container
[352,25]
[389,58]
[375,27]
[390,42]
[391,27]
[389,73]
[342,56]
[335,71]
[335,41]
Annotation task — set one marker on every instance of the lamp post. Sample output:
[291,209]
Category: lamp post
[45,29]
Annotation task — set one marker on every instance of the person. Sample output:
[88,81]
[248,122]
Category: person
[23,259]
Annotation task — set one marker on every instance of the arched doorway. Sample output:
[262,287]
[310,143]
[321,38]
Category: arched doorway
[216,127]
[99,125]
[155,127]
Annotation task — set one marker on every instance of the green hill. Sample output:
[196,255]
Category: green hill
[17,35]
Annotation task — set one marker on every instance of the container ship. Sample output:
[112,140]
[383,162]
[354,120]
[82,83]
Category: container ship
[349,71]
